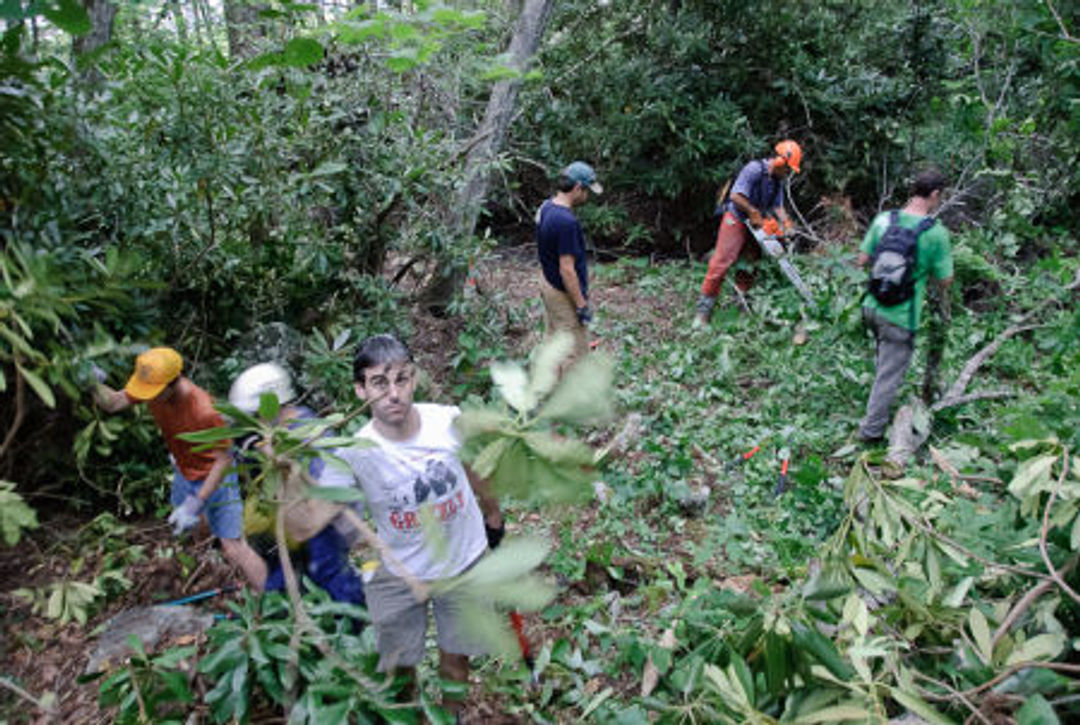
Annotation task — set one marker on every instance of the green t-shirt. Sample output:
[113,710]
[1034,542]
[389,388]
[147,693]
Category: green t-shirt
[934,259]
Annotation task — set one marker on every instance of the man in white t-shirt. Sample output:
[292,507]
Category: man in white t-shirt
[414,464]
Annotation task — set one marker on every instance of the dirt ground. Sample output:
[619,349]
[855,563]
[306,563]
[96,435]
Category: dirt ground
[40,658]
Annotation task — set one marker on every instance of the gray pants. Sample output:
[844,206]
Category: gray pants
[894,348]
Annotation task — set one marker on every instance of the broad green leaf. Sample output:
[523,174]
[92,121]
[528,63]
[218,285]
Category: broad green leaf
[584,395]
[836,713]
[487,460]
[1074,538]
[515,557]
[919,707]
[544,371]
[269,406]
[38,385]
[302,52]
[15,515]
[597,701]
[564,451]
[955,597]
[330,168]
[1039,647]
[980,631]
[874,582]
[68,15]
[1032,475]
[477,421]
[1036,711]
[211,435]
[513,385]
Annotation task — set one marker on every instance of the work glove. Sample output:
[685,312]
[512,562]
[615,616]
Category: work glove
[88,375]
[495,536]
[584,315]
[771,227]
[186,515]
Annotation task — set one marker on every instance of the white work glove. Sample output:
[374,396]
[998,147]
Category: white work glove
[186,514]
[773,247]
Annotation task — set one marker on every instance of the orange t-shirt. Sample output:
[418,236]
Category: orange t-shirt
[190,410]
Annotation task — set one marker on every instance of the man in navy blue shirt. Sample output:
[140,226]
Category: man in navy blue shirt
[758,192]
[564,284]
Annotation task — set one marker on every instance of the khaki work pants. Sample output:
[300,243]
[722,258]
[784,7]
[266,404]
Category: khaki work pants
[561,314]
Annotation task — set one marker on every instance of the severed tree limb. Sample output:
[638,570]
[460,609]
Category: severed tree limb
[1054,573]
[945,403]
[977,360]
[905,439]
[303,624]
[954,694]
[39,703]
[1028,599]
[1004,675]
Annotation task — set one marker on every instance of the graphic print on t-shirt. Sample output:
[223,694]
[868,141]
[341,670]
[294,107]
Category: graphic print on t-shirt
[440,484]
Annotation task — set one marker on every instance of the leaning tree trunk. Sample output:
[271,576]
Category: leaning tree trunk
[485,146]
[102,15]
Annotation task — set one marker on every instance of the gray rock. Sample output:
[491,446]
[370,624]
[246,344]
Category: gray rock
[151,625]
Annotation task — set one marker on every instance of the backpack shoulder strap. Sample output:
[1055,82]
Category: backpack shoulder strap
[894,217]
[924,225]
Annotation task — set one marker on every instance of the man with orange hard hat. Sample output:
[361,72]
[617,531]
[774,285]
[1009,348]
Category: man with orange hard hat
[202,483]
[756,198]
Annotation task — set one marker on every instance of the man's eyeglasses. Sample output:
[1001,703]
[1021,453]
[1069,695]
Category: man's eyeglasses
[380,384]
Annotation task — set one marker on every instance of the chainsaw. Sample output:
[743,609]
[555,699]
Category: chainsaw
[770,244]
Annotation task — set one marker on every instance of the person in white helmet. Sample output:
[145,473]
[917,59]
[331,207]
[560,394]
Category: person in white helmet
[314,523]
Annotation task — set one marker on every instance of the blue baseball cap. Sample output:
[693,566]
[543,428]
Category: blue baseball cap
[583,174]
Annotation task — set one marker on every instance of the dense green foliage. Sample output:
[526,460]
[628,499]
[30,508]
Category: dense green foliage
[164,189]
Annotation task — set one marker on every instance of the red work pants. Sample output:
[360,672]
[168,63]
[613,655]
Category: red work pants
[733,242]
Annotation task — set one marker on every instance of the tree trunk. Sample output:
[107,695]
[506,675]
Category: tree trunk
[486,145]
[244,27]
[102,15]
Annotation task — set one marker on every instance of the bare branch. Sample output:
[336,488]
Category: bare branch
[1054,573]
[1061,23]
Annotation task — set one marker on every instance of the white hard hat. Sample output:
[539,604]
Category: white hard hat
[258,379]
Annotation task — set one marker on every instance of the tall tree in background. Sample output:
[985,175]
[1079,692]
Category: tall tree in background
[244,26]
[102,15]
[488,142]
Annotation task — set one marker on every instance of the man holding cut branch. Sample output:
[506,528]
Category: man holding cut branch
[435,516]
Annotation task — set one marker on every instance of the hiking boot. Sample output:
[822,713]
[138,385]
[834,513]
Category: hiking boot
[705,306]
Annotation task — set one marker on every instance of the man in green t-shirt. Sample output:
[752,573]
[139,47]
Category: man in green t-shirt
[894,327]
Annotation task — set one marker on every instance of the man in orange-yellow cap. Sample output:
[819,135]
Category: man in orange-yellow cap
[756,198]
[202,483]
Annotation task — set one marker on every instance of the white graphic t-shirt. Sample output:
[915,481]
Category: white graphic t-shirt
[398,478]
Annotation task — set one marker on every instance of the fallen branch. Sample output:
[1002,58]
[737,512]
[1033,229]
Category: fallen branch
[39,703]
[945,403]
[1027,600]
[978,359]
[1054,573]
[1001,677]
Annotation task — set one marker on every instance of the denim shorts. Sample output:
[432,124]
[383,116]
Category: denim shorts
[224,510]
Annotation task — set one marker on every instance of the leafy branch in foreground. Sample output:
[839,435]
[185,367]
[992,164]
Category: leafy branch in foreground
[512,443]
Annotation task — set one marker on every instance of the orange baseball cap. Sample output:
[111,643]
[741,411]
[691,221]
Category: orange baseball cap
[154,369]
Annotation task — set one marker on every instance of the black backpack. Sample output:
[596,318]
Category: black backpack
[892,265]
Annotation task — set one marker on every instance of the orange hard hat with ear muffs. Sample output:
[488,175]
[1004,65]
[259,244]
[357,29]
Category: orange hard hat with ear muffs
[789,153]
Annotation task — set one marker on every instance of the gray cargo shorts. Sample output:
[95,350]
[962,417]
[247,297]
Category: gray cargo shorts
[401,621]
